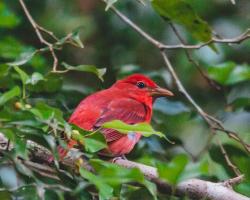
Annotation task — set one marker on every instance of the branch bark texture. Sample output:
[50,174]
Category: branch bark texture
[193,188]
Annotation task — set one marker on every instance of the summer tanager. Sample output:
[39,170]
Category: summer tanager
[129,100]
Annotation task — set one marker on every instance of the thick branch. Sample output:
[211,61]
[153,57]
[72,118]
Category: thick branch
[193,188]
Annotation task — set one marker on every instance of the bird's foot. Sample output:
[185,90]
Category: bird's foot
[118,158]
[124,157]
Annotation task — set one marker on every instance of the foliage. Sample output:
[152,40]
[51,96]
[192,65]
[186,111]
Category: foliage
[36,102]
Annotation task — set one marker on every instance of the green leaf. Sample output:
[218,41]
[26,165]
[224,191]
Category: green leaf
[7,18]
[171,171]
[239,96]
[4,70]
[23,75]
[109,3]
[15,91]
[10,47]
[23,58]
[115,175]
[195,169]
[94,143]
[22,168]
[238,74]
[105,191]
[35,78]
[236,155]
[86,68]
[243,188]
[143,128]
[181,12]
[76,38]
[27,192]
[8,133]
[229,73]
[52,83]
[46,112]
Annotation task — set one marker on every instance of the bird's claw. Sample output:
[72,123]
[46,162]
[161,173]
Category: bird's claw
[118,158]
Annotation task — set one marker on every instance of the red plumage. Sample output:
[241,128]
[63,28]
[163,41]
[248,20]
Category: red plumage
[129,100]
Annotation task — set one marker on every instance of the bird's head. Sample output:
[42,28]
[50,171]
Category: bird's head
[142,88]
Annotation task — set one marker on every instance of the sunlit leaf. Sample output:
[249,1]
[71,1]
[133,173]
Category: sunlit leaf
[143,128]
[15,91]
[87,68]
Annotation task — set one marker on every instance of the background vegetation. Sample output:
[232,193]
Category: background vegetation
[37,101]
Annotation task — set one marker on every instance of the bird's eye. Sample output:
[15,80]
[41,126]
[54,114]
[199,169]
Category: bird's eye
[140,84]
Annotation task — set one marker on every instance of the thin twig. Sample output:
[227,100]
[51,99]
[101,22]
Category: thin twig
[37,29]
[228,161]
[48,32]
[233,181]
[181,87]
[194,62]
[238,39]
[211,121]
[234,136]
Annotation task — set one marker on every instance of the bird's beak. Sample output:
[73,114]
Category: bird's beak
[160,92]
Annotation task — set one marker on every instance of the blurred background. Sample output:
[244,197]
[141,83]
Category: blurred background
[110,43]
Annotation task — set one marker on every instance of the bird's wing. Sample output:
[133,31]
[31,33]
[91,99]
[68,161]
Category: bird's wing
[127,110]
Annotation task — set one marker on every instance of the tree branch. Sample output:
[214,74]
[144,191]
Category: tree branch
[238,39]
[188,53]
[39,34]
[213,123]
[193,188]
[227,159]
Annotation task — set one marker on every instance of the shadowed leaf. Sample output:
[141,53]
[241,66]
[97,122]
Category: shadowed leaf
[15,91]
[181,12]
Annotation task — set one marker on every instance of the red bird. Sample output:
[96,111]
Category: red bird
[129,100]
